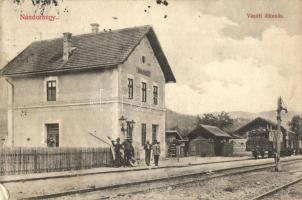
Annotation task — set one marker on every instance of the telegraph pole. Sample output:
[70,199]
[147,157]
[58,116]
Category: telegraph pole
[279,135]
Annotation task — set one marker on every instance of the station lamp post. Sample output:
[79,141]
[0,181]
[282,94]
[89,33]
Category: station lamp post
[130,124]
[122,121]
[126,127]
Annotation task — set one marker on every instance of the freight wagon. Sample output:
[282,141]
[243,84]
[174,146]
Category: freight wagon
[260,136]
[260,142]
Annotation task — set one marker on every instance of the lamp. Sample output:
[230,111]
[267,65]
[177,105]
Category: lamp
[131,123]
[122,121]
[130,126]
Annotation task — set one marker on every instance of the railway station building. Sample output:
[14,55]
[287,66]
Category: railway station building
[63,91]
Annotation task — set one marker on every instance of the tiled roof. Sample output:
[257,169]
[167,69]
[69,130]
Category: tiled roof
[257,122]
[215,131]
[174,132]
[103,49]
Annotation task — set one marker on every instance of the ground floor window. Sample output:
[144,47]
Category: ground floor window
[52,135]
[154,132]
[144,134]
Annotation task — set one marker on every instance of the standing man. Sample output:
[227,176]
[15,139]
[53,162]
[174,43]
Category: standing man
[117,150]
[148,148]
[132,154]
[156,152]
[127,152]
[132,160]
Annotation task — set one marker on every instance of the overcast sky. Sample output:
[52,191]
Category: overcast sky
[222,60]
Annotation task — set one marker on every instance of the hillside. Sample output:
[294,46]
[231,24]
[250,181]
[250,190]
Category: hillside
[183,122]
[187,122]
[271,115]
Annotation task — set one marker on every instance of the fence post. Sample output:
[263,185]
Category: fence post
[35,161]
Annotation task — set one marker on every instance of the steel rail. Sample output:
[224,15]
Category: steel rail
[275,190]
[204,179]
[255,167]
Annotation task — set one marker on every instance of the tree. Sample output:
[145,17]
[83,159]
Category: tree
[221,120]
[208,119]
[295,124]
[224,120]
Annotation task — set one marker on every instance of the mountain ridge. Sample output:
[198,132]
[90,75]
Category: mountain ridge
[185,123]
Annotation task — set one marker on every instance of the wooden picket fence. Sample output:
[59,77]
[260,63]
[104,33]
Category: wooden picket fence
[25,160]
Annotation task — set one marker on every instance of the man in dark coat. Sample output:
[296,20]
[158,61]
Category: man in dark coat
[127,151]
[117,150]
[132,155]
[148,148]
[156,152]
[132,160]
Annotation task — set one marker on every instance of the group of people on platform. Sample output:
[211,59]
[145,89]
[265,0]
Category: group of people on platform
[124,152]
[125,156]
[156,152]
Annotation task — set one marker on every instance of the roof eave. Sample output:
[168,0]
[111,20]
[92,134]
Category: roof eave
[226,135]
[171,81]
[159,54]
[82,68]
[237,131]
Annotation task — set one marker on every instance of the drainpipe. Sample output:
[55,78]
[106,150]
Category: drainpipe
[10,118]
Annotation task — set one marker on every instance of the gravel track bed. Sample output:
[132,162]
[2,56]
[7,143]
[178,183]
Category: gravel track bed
[293,192]
[19,190]
[245,186]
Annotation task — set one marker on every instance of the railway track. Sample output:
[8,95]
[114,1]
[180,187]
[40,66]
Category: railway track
[171,181]
[275,190]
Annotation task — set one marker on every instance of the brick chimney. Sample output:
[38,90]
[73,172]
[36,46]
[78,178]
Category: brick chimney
[66,45]
[94,27]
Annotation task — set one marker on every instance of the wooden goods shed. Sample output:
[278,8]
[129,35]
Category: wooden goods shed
[207,140]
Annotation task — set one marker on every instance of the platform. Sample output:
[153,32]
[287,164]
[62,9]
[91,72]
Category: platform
[95,178]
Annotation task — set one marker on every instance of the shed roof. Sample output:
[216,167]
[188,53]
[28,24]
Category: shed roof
[213,130]
[174,132]
[257,121]
[94,50]
[234,136]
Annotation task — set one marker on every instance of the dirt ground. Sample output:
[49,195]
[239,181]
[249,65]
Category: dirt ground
[245,186]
